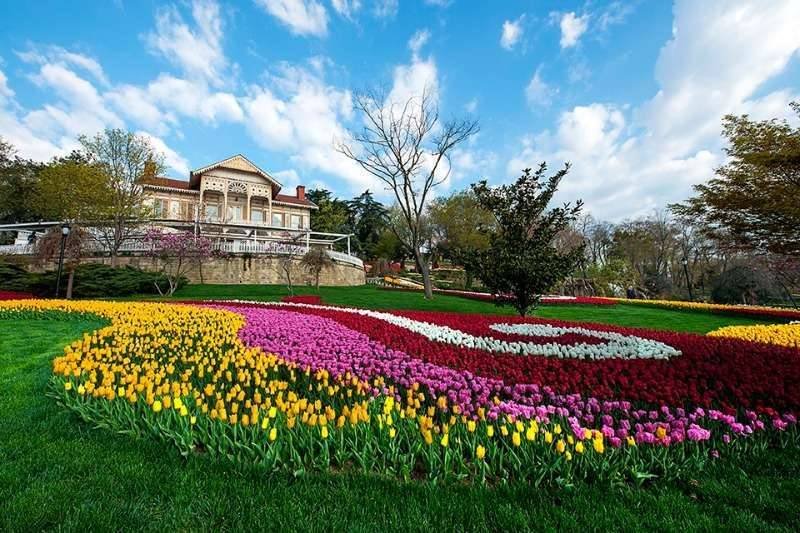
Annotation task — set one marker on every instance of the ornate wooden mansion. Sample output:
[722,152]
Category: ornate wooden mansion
[239,206]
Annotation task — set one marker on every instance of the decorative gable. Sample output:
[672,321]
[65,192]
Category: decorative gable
[239,163]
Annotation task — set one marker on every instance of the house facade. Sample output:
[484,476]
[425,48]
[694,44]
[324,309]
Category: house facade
[244,213]
[232,194]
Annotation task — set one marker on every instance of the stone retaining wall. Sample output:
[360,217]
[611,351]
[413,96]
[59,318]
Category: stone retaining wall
[254,269]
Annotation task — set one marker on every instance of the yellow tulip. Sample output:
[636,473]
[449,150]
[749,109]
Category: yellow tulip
[273,434]
[515,438]
[157,406]
[599,447]
[480,452]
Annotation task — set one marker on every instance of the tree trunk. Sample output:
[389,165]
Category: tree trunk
[426,275]
[70,281]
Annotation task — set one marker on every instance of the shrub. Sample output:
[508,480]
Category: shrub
[742,285]
[91,281]
[14,277]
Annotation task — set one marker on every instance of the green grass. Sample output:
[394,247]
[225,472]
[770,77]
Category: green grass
[58,473]
[371,297]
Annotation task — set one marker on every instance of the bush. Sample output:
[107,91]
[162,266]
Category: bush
[91,281]
[14,278]
[743,285]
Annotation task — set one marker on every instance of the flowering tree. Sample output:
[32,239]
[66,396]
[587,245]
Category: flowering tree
[178,253]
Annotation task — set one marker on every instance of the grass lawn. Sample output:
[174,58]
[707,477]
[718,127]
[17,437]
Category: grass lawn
[371,297]
[56,472]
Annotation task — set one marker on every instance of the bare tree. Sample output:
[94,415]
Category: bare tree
[127,158]
[407,147]
[289,253]
[315,261]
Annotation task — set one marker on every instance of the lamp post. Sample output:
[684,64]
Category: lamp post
[685,262]
[64,234]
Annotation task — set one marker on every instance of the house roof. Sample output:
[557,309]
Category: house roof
[166,182]
[237,162]
[294,200]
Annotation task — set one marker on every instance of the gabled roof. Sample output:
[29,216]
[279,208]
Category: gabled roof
[237,162]
[294,200]
[168,183]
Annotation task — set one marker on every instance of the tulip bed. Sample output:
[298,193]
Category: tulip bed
[778,334]
[753,311]
[298,386]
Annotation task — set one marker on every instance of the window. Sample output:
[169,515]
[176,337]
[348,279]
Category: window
[235,212]
[174,209]
[158,210]
[277,219]
[297,221]
[257,215]
[212,212]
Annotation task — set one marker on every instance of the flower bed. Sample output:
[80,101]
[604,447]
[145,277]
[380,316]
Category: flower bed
[300,386]
[721,372]
[14,295]
[779,334]
[754,311]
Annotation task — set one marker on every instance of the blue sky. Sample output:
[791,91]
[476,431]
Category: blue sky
[632,93]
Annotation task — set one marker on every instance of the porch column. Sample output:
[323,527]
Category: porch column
[224,215]
[308,240]
[348,245]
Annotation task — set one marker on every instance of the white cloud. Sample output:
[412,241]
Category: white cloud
[614,13]
[572,27]
[302,17]
[137,105]
[278,116]
[413,79]
[198,52]
[512,32]
[628,161]
[471,106]
[172,159]
[194,100]
[538,93]
[81,110]
[5,91]
[385,9]
[65,58]
[346,8]
[418,40]
[439,3]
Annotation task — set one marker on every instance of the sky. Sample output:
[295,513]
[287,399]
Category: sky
[630,93]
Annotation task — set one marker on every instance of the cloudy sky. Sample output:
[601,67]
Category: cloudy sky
[631,93]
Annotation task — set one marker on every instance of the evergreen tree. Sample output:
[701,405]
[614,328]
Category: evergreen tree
[521,262]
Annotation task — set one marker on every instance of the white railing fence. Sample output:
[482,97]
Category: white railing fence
[233,247]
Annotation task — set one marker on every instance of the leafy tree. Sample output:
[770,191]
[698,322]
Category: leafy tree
[126,158]
[72,189]
[752,202]
[521,262]
[459,223]
[367,221]
[407,147]
[389,247]
[333,214]
[743,285]
[315,261]
[18,178]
